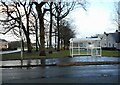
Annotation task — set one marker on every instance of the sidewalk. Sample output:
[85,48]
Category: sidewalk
[12,51]
[83,60]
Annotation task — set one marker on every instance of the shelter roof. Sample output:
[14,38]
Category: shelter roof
[84,39]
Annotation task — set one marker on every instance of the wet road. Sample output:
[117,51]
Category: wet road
[70,74]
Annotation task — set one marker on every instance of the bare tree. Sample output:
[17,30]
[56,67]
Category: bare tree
[36,29]
[27,10]
[50,31]
[66,32]
[16,18]
[62,9]
[118,13]
[116,18]
[41,12]
[10,22]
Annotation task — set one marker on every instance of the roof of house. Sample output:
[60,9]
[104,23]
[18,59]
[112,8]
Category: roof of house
[115,36]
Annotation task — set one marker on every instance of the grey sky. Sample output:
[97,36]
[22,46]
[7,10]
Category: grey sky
[96,20]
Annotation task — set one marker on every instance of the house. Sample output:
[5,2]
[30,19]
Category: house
[118,41]
[110,40]
[3,44]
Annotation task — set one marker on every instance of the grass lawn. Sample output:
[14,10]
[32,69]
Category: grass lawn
[35,55]
[111,53]
[60,54]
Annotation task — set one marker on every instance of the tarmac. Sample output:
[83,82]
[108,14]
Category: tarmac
[83,69]
[69,74]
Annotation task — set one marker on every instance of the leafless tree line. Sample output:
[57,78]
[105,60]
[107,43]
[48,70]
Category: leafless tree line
[30,17]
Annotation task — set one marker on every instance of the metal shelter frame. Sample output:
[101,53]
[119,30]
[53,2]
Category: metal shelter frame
[85,46]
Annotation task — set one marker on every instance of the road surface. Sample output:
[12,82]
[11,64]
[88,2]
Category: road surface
[70,74]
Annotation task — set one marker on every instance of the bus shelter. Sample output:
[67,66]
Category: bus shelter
[85,46]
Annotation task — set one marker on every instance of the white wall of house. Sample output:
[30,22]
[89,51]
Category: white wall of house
[109,40]
[104,39]
[118,46]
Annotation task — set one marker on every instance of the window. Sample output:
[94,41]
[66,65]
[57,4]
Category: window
[113,45]
[81,45]
[105,44]
[109,44]
[89,43]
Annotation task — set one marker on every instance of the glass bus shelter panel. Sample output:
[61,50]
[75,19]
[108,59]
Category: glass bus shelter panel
[75,44]
[88,51]
[75,51]
[96,51]
[83,51]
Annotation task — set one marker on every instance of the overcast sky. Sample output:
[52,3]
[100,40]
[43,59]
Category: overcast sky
[96,20]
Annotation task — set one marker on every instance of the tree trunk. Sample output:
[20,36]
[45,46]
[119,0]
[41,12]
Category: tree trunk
[36,30]
[68,45]
[28,40]
[29,44]
[42,34]
[55,40]
[22,41]
[64,44]
[61,44]
[58,41]
[42,29]
[28,35]
[23,46]
[50,31]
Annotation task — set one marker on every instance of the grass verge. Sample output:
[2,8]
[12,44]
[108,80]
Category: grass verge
[60,54]
[35,55]
[111,53]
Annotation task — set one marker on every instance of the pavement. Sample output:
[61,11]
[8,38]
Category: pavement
[12,51]
[81,60]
